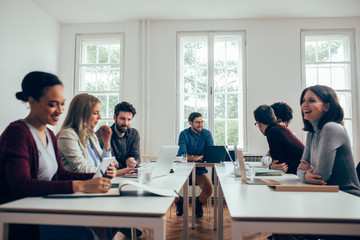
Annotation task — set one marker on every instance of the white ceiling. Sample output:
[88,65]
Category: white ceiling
[101,11]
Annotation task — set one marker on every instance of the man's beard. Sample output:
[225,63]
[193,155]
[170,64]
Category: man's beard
[121,128]
[197,130]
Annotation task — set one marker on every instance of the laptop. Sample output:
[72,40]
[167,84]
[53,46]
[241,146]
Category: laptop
[214,154]
[253,181]
[165,161]
[231,158]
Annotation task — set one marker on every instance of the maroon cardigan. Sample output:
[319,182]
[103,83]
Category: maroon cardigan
[19,166]
[284,146]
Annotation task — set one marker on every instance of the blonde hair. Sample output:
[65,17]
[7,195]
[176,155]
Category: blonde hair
[78,115]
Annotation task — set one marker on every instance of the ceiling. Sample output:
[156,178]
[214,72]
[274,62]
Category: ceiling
[102,11]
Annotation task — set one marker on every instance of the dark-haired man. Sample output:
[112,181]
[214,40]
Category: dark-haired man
[192,142]
[125,144]
[284,147]
[125,141]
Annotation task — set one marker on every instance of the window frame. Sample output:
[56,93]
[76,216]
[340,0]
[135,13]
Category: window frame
[353,85]
[78,52]
[210,35]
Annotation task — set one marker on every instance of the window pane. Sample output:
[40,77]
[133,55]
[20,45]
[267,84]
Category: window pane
[103,100]
[324,75]
[336,73]
[88,79]
[220,80]
[323,51]
[232,53]
[90,54]
[113,100]
[219,133]
[345,102]
[337,50]
[310,51]
[232,106]
[102,78]
[114,76]
[99,70]
[341,76]
[232,132]
[226,83]
[311,75]
[115,53]
[202,81]
[219,106]
[232,79]
[103,53]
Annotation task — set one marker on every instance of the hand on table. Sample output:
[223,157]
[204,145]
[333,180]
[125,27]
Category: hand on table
[130,162]
[95,185]
[279,166]
[313,178]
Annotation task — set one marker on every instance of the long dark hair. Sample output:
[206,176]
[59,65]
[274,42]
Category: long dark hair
[327,96]
[35,84]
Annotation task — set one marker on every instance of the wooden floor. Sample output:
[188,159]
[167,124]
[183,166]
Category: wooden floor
[204,228]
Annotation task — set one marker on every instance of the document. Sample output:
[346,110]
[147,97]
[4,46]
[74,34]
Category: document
[268,172]
[113,192]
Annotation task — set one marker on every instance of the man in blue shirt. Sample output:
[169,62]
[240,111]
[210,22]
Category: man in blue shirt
[192,143]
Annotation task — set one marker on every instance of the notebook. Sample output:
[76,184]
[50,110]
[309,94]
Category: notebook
[214,154]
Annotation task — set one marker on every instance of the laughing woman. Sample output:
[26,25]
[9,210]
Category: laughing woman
[327,158]
[30,163]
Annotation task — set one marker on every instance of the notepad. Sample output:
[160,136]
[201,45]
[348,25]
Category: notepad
[113,192]
[305,188]
[268,172]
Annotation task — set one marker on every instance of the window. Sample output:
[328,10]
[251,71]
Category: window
[211,81]
[99,62]
[328,60]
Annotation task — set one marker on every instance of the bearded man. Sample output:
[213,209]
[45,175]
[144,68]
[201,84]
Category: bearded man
[125,141]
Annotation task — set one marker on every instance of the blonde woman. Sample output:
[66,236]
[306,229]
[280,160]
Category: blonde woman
[79,147]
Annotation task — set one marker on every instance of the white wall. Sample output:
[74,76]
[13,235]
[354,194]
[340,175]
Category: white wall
[29,41]
[273,69]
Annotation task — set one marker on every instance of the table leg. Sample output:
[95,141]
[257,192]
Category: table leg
[215,199]
[236,232]
[186,210]
[160,230]
[221,216]
[4,230]
[193,198]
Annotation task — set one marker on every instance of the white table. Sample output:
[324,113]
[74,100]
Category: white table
[123,211]
[257,208]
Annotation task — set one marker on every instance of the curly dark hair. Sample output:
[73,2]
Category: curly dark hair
[124,107]
[283,111]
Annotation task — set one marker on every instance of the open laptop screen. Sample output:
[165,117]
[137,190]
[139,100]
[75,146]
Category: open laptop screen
[214,154]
